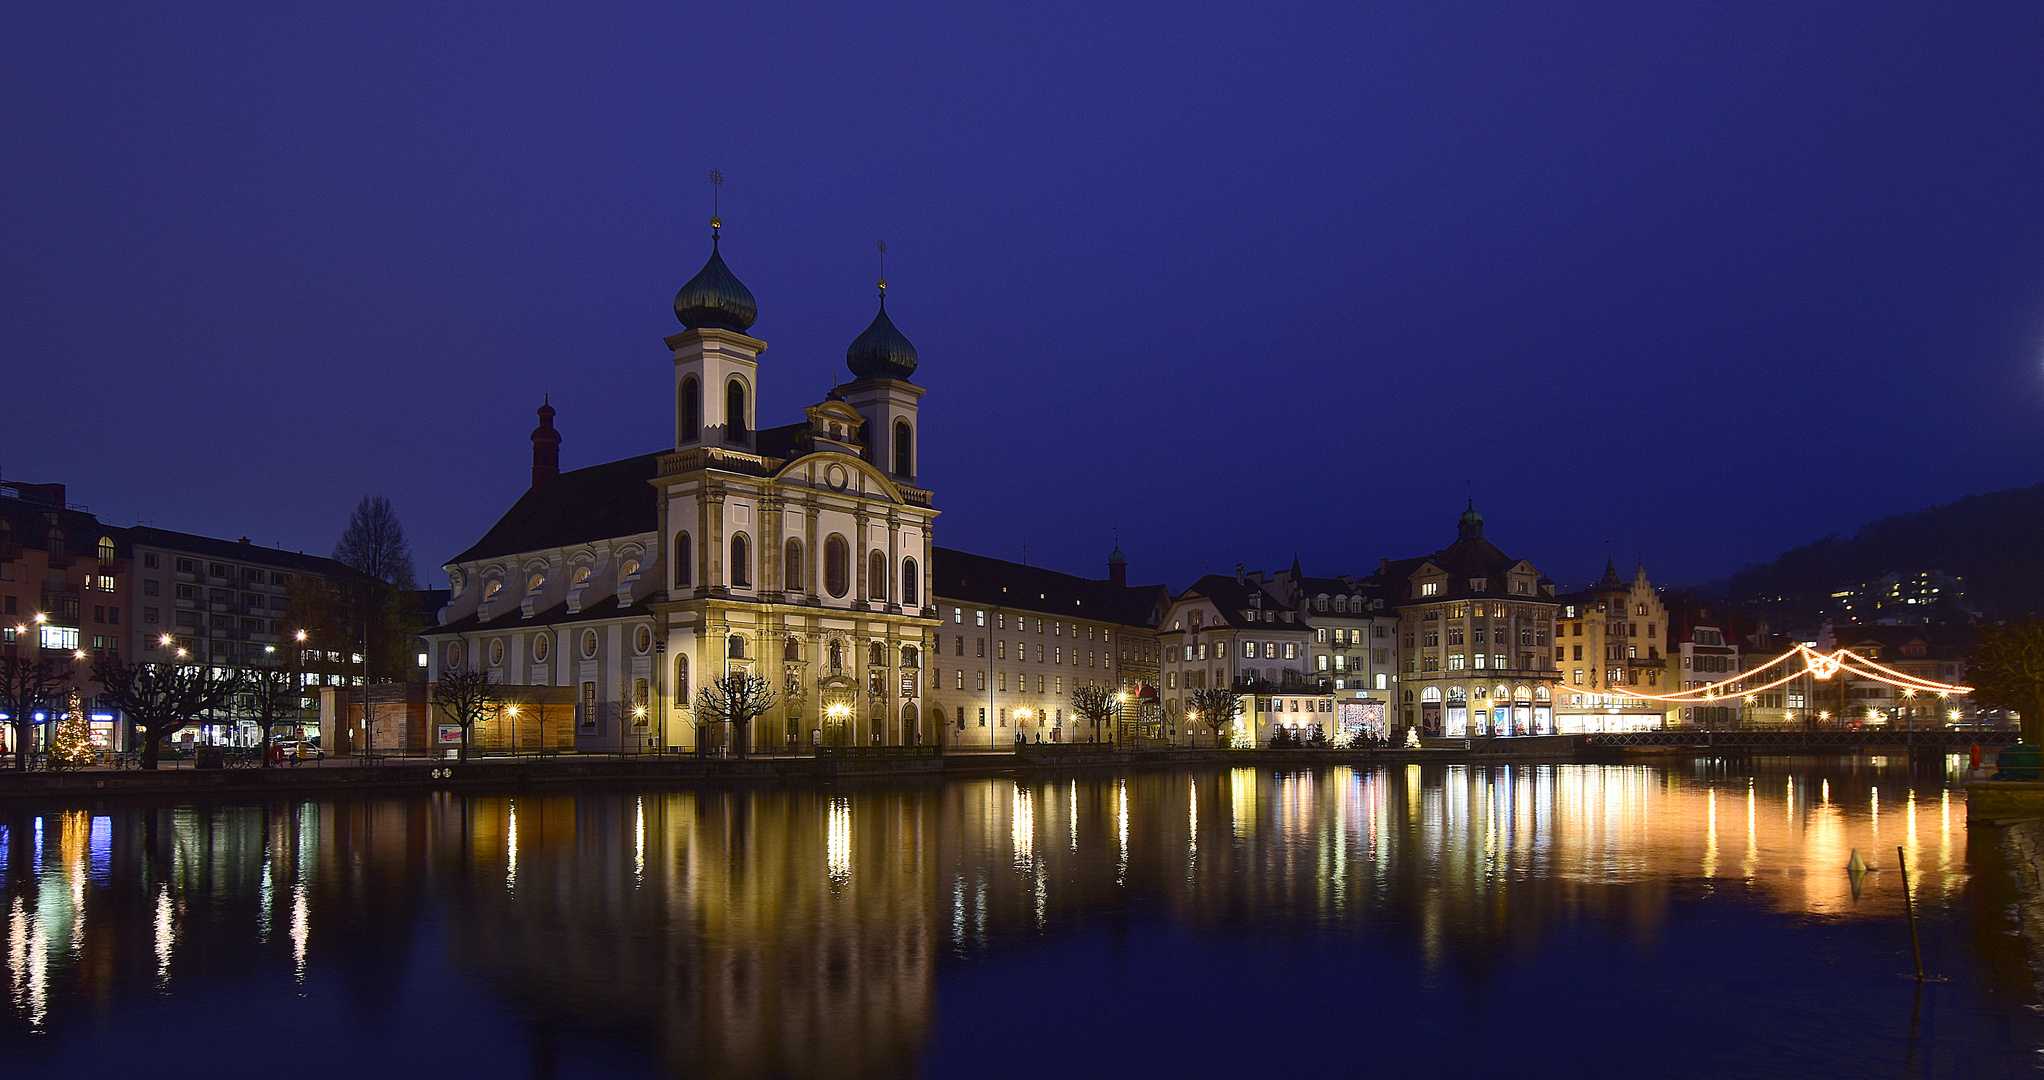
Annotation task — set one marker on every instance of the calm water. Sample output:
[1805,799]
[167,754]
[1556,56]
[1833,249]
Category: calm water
[1688,920]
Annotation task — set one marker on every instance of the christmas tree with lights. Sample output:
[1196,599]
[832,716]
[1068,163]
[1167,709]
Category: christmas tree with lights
[73,742]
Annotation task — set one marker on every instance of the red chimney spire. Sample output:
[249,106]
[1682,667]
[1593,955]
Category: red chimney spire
[546,447]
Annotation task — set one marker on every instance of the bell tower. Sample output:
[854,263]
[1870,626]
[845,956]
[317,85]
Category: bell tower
[716,364]
[882,359]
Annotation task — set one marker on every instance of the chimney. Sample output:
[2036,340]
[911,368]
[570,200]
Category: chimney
[546,447]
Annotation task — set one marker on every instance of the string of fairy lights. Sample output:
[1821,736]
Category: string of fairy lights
[1819,665]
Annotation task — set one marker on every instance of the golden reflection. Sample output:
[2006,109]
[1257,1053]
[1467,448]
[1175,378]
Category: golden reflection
[838,845]
[736,941]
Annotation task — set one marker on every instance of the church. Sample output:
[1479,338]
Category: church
[801,553]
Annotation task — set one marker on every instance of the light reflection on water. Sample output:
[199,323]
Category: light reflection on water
[807,931]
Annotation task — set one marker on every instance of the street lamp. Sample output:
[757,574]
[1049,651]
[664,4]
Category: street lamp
[1192,729]
[511,711]
[1120,721]
[1022,716]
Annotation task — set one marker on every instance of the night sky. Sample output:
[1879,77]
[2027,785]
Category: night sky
[1697,281]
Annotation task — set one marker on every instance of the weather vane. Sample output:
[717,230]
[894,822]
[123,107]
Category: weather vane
[881,245]
[716,191]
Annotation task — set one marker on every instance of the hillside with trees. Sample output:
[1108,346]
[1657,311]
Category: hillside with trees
[1995,542]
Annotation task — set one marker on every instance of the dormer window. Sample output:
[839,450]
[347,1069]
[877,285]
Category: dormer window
[629,570]
[1477,584]
[537,582]
[581,574]
[491,588]
[1430,588]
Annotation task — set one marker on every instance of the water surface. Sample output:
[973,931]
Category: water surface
[1693,919]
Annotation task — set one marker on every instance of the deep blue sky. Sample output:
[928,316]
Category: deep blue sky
[1700,280]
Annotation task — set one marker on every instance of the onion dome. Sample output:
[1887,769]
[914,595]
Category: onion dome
[1470,525]
[1115,557]
[715,298]
[881,352]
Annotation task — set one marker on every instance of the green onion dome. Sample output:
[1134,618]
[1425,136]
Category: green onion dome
[881,352]
[715,298]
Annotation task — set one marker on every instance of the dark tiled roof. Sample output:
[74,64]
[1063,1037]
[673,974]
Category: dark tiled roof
[980,579]
[214,548]
[558,615]
[31,528]
[1232,596]
[1468,557]
[579,507]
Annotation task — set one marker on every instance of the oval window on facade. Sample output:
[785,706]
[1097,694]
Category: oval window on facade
[540,648]
[588,644]
[496,652]
[643,639]
[454,654]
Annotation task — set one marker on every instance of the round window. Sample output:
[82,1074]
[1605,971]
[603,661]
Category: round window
[540,648]
[643,640]
[496,652]
[454,654]
[588,644]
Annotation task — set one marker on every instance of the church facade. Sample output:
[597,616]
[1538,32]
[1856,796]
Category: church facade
[801,553]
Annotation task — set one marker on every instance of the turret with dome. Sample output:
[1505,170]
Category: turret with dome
[715,298]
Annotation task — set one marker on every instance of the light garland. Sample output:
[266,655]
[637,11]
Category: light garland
[1819,665]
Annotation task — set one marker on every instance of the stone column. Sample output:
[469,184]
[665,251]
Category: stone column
[770,540]
[713,542]
[860,556]
[812,555]
[893,562]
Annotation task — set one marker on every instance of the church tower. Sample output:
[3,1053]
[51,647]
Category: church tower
[882,360]
[716,364]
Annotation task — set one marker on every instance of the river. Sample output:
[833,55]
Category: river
[1675,920]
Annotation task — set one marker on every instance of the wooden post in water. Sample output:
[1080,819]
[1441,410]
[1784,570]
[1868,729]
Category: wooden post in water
[1909,905]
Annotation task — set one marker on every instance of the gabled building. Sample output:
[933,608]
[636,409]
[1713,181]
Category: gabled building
[63,592]
[1608,642]
[1703,650]
[800,553]
[1236,632]
[1474,626]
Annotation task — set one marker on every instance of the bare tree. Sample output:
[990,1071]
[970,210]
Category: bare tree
[2006,668]
[269,694]
[28,683]
[466,696]
[162,698]
[736,699]
[1216,706]
[374,545]
[1095,704]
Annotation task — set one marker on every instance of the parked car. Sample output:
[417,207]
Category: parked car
[303,751]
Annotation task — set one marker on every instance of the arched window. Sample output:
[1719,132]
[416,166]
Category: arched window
[681,680]
[1431,693]
[691,409]
[734,647]
[791,566]
[904,450]
[741,561]
[876,654]
[791,649]
[910,656]
[876,577]
[735,428]
[684,560]
[837,564]
[57,540]
[106,551]
[909,582]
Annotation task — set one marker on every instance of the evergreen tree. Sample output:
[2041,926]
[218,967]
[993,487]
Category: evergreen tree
[73,743]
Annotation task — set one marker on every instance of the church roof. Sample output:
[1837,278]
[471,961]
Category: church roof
[577,507]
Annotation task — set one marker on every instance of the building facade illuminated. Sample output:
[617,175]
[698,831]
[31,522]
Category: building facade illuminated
[799,553]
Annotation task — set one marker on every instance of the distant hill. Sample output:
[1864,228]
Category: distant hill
[1994,541]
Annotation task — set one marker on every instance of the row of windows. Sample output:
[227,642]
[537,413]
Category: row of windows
[836,568]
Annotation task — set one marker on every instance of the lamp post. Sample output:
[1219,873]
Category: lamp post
[1120,720]
[1192,729]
